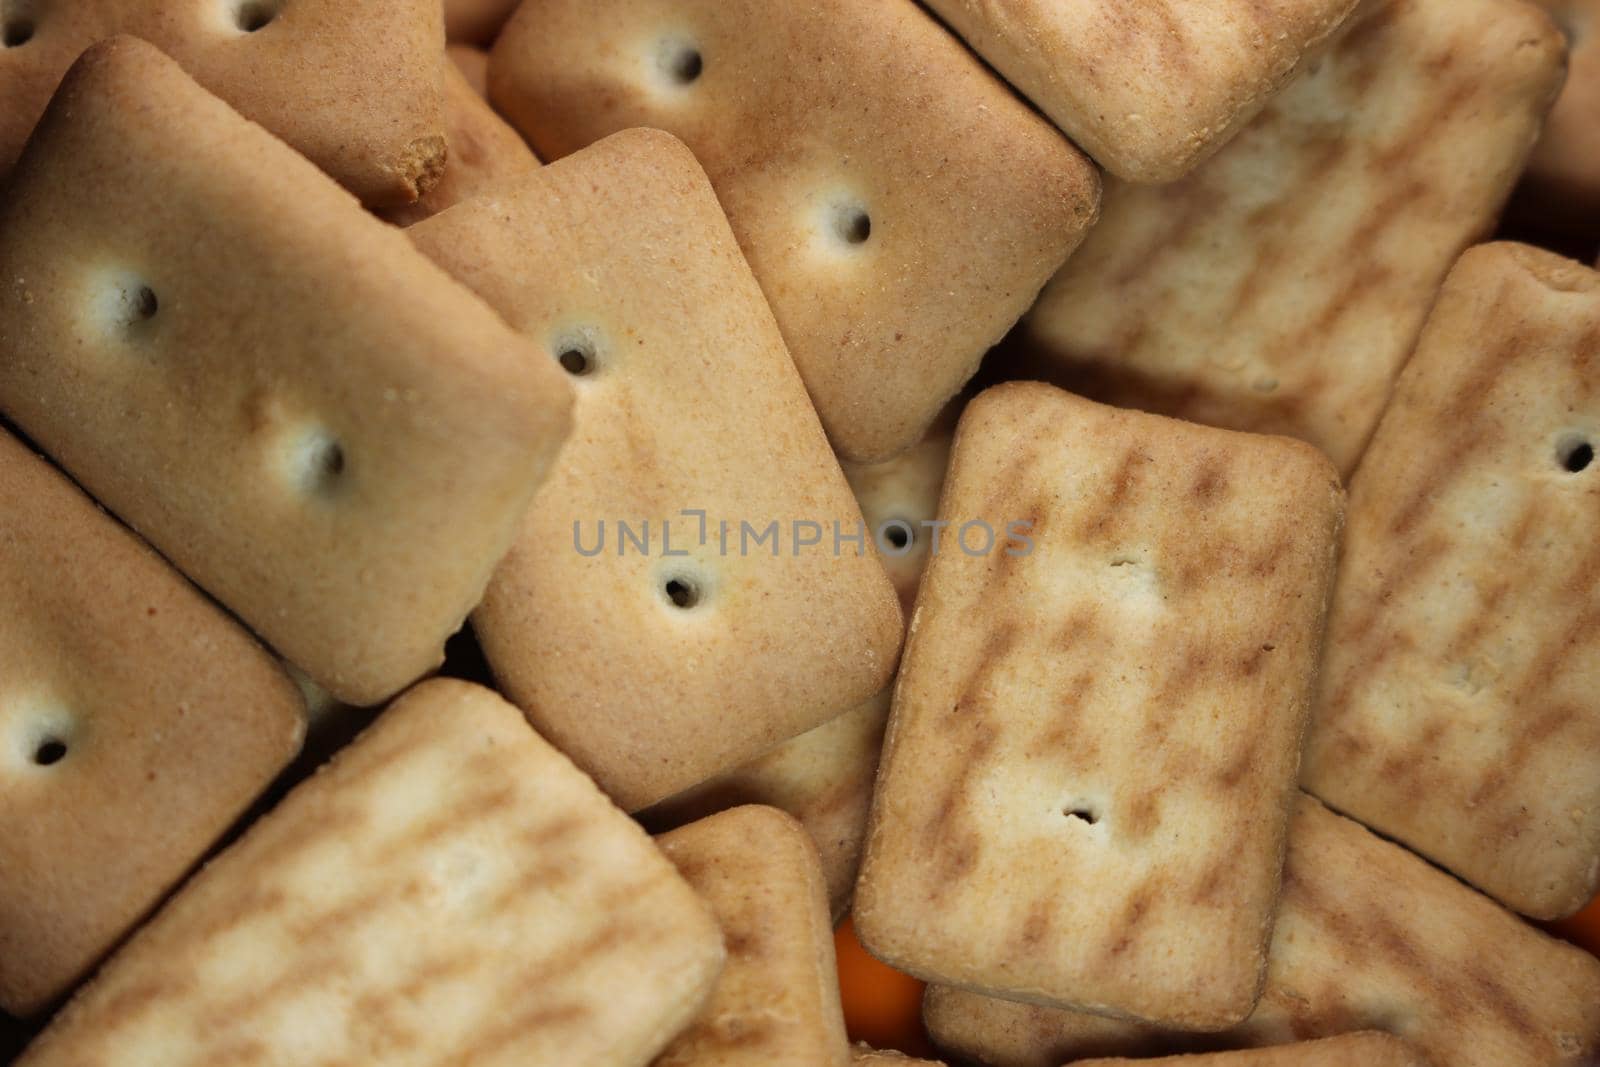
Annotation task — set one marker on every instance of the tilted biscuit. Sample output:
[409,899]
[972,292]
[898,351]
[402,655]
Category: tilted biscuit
[473,63]
[476,21]
[663,656]
[449,889]
[1563,177]
[868,1057]
[1151,88]
[1096,731]
[900,207]
[1368,1049]
[294,406]
[484,151]
[353,85]
[824,777]
[1459,708]
[1280,287]
[1369,937]
[136,720]
[777,1001]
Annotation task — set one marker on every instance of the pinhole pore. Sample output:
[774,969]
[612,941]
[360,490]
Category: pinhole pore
[251,16]
[50,751]
[16,29]
[1082,813]
[680,62]
[1575,454]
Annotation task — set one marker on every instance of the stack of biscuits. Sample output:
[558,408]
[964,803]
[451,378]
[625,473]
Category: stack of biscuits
[520,518]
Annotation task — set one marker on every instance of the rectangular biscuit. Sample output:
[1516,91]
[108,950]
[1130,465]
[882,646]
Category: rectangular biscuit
[777,1000]
[1148,88]
[353,85]
[1096,731]
[899,206]
[1280,287]
[661,661]
[1459,708]
[312,421]
[1369,937]
[449,889]
[1367,1049]
[137,721]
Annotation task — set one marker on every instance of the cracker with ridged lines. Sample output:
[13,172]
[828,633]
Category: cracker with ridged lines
[308,418]
[662,661]
[900,207]
[1110,713]
[449,889]
[1368,1049]
[137,721]
[351,84]
[1368,937]
[1459,709]
[777,1001]
[1280,287]
[1149,89]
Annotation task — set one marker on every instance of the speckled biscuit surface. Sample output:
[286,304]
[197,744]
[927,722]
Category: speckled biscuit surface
[1564,174]
[136,722]
[1092,752]
[1459,709]
[1370,1049]
[776,1003]
[484,151]
[351,84]
[1280,287]
[294,406]
[448,890]
[1147,87]
[900,207]
[1369,937]
[657,668]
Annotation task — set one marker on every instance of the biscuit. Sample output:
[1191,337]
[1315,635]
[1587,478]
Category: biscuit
[777,1001]
[473,63]
[1369,1049]
[353,85]
[1369,937]
[1562,182]
[1280,287]
[137,722]
[824,777]
[899,206]
[449,889]
[869,1057]
[476,21]
[297,409]
[1148,89]
[663,656]
[484,151]
[1091,757]
[1457,712]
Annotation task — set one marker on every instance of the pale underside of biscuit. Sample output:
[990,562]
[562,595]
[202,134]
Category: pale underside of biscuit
[1092,752]
[1369,1049]
[304,414]
[137,721]
[777,1000]
[1148,89]
[1459,709]
[450,889]
[1368,937]
[900,207]
[351,84]
[1280,287]
[658,665]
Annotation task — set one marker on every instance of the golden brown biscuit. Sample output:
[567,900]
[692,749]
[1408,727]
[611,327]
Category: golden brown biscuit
[900,207]
[777,1001]
[476,21]
[449,890]
[307,417]
[869,1057]
[484,151]
[1562,182]
[1369,937]
[1152,87]
[1280,287]
[664,655]
[1369,1049]
[1092,753]
[350,84]
[137,721]
[1459,710]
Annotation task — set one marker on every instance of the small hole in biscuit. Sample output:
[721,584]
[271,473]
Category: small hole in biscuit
[1082,813]
[897,535]
[576,361]
[253,15]
[50,751]
[681,592]
[1575,455]
[143,305]
[316,463]
[17,32]
[853,225]
[687,66]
